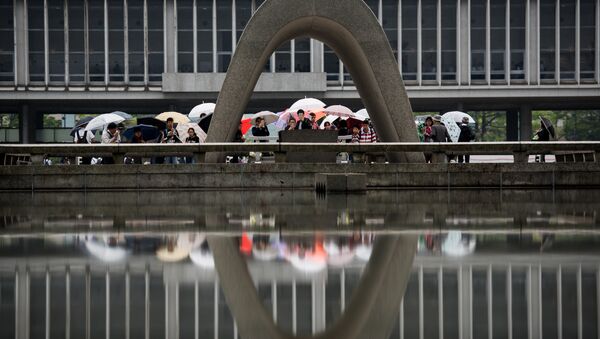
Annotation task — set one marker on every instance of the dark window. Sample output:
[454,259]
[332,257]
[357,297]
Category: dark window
[547,40]
[332,64]
[409,40]
[283,58]
[116,41]
[156,62]
[35,11]
[185,36]
[7,49]
[498,40]
[302,54]
[205,35]
[448,40]
[390,23]
[517,39]
[478,22]
[567,40]
[224,43]
[96,41]
[135,39]
[429,39]
[587,36]
[76,42]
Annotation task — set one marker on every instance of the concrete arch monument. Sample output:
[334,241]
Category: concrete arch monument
[352,31]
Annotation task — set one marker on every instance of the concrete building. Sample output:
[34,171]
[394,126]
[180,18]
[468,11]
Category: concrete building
[148,56]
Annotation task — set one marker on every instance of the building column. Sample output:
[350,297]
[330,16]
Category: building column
[21,47]
[170,37]
[525,125]
[27,125]
[512,125]
[316,56]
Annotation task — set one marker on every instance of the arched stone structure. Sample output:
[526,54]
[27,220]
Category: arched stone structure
[352,31]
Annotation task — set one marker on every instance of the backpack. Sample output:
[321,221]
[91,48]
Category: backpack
[83,139]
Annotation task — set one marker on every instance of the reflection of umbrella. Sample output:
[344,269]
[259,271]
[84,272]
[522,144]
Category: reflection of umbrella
[161,125]
[80,124]
[548,124]
[105,253]
[124,115]
[265,254]
[457,116]
[204,108]
[204,123]
[178,118]
[172,254]
[339,110]
[268,116]
[307,104]
[338,256]
[148,132]
[455,245]
[202,258]
[103,120]
[309,263]
[182,129]
[363,252]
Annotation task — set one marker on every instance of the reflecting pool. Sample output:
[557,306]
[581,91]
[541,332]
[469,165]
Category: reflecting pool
[397,264]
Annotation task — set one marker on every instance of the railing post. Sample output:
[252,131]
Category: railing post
[439,157]
[119,158]
[280,156]
[199,157]
[520,157]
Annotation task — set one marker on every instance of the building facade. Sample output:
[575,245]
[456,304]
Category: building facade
[148,56]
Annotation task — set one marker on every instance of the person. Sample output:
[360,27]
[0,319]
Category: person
[84,137]
[465,136]
[367,133]
[327,126]
[542,134]
[313,121]
[136,139]
[343,129]
[355,135]
[291,125]
[439,133]
[170,136]
[302,123]
[239,137]
[426,131]
[260,129]
[111,135]
[192,138]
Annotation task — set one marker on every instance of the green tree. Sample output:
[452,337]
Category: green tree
[9,120]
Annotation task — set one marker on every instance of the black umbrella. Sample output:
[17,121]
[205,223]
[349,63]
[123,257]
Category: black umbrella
[80,124]
[548,125]
[204,123]
[161,125]
[148,132]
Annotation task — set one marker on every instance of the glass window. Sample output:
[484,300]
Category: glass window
[390,23]
[332,64]
[224,46]
[7,49]
[517,39]
[35,11]
[205,35]
[56,43]
[76,42]
[116,41]
[409,40]
[429,39]
[547,40]
[156,62]
[478,22]
[448,40]
[302,54]
[243,11]
[374,6]
[587,36]
[135,39]
[96,41]
[567,40]
[497,39]
[185,36]
[283,58]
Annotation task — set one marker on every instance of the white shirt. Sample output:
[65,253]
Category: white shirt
[108,138]
[89,135]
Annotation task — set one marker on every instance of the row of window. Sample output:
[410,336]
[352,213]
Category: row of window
[116,41]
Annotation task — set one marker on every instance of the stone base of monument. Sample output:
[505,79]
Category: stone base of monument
[340,182]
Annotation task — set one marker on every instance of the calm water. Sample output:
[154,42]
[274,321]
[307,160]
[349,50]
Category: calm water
[399,264]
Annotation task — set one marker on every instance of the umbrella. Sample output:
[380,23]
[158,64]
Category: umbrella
[104,252]
[310,263]
[202,258]
[451,126]
[330,119]
[363,252]
[148,132]
[457,116]
[338,256]
[161,125]
[204,108]
[182,129]
[178,118]
[339,110]
[454,245]
[124,115]
[548,124]
[80,124]
[246,125]
[307,104]
[102,120]
[204,123]
[268,116]
[361,115]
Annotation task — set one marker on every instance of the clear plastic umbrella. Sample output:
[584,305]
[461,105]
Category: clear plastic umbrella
[203,108]
[182,129]
[102,120]
[339,110]
[361,114]
[268,116]
[457,116]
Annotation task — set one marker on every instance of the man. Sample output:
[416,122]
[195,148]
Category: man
[110,136]
[170,136]
[303,123]
[291,124]
[367,134]
[439,133]
[84,137]
[465,136]
[542,134]
[313,121]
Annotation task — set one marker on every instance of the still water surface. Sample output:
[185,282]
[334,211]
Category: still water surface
[439,264]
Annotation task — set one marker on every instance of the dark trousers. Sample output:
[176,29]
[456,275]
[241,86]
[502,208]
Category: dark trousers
[464,158]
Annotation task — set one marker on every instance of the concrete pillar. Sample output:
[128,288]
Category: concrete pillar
[21,47]
[317,56]
[512,125]
[27,125]
[171,32]
[525,125]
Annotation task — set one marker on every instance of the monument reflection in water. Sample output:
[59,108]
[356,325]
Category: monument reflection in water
[524,265]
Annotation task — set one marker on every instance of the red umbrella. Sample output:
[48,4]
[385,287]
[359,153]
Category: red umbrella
[246,124]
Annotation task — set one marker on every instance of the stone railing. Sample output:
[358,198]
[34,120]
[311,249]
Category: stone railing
[519,150]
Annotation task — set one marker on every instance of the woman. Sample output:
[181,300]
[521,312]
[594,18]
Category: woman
[136,139]
[426,131]
[291,125]
[192,138]
[327,126]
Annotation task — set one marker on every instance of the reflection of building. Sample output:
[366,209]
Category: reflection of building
[147,56]
[526,294]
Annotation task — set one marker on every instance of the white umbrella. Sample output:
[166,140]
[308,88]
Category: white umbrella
[330,119]
[105,253]
[204,108]
[338,256]
[202,258]
[268,116]
[455,246]
[361,115]
[307,104]
[363,252]
[457,116]
[452,127]
[308,264]
[126,116]
[102,120]
[182,129]
[339,110]
[178,118]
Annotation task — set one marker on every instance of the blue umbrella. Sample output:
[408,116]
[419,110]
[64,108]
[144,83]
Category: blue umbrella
[148,132]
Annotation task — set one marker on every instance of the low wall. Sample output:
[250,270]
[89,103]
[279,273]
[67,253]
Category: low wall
[295,176]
